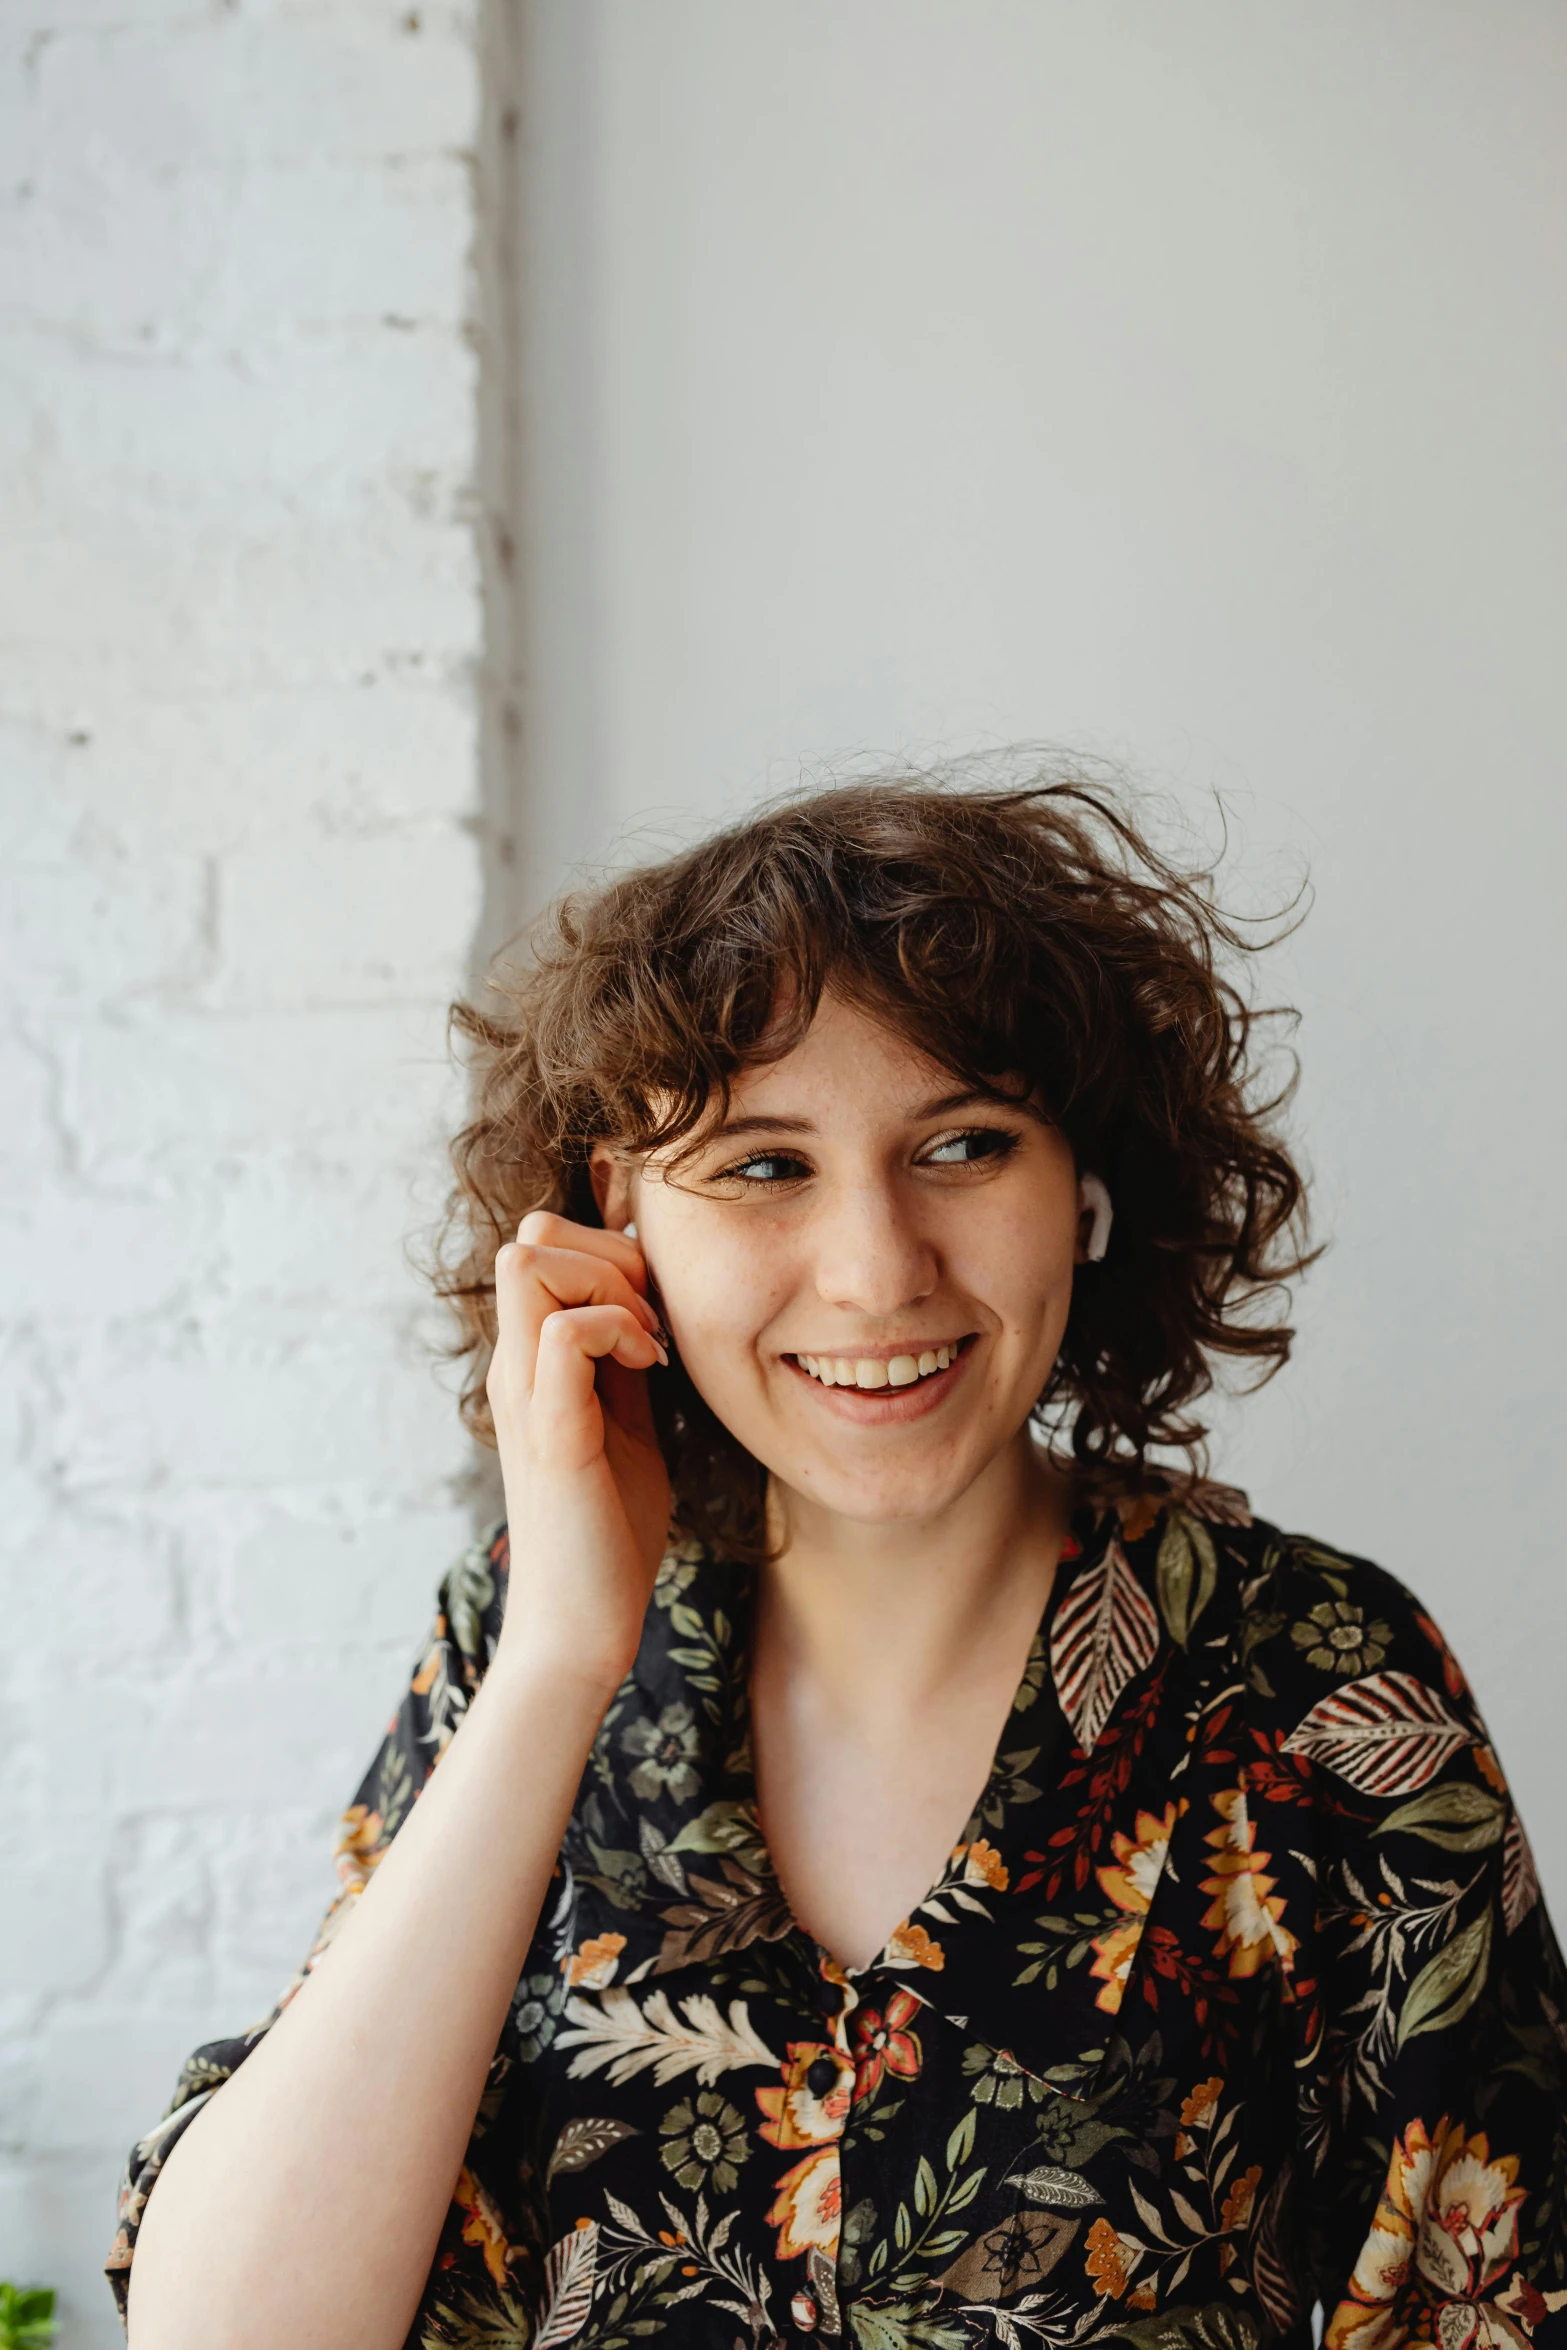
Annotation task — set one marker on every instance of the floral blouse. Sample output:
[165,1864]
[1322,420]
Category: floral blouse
[1236,1997]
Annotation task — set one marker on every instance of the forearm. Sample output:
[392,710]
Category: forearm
[308,2215]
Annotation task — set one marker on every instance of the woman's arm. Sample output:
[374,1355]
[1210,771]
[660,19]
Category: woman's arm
[309,2211]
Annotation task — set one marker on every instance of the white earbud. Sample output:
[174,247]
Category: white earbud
[1092,1195]
[630,1231]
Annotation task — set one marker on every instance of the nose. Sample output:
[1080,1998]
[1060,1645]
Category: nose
[871,1256]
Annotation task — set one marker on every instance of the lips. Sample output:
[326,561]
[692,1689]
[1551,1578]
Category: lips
[876,1371]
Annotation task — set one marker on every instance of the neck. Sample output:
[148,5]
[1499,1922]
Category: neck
[906,1609]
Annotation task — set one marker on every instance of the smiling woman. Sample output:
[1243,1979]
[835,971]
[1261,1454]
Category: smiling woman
[908,1859]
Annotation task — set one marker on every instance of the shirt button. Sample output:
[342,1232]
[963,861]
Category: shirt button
[806,2315]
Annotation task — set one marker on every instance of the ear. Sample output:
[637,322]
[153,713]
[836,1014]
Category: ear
[611,1176]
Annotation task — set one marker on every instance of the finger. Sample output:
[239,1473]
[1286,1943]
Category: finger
[572,1344]
[540,1229]
[533,1283]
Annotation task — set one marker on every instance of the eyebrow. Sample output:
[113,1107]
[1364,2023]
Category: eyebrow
[970,1097]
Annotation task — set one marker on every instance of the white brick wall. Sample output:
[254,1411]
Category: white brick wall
[241,640]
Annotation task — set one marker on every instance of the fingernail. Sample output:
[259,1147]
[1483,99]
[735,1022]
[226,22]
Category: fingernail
[662,1356]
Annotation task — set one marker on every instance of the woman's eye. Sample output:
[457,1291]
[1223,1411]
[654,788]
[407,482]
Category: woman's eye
[769,1167]
[963,1150]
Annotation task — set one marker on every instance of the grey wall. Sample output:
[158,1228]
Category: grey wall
[1185,386]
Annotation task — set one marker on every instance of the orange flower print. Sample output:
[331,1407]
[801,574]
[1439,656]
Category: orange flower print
[1448,2214]
[1197,2112]
[358,1848]
[1137,1512]
[912,1946]
[1114,1952]
[1129,1880]
[808,2206]
[982,1865]
[592,1967]
[481,2223]
[884,2042]
[809,2106]
[1246,1914]
[1109,2262]
[1240,2200]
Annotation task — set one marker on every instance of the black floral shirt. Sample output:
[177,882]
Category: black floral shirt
[1236,1997]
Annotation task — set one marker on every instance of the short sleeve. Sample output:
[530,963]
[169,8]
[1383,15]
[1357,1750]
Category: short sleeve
[1432,2050]
[450,1668]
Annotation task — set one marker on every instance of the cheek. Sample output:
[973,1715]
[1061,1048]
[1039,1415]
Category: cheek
[720,1290]
[1020,1264]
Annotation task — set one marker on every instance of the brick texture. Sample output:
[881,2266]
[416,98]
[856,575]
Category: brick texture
[242,637]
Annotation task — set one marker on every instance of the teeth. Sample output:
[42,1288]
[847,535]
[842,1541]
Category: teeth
[870,1372]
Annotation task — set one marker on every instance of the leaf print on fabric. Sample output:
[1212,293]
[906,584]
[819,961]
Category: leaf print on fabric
[1387,1735]
[470,1588]
[568,2286]
[727,1912]
[583,2140]
[1186,1574]
[1457,1817]
[1520,1878]
[1065,2190]
[1021,2165]
[626,2039]
[1445,1990]
[1106,1630]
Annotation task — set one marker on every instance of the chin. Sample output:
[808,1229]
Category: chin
[880,1498]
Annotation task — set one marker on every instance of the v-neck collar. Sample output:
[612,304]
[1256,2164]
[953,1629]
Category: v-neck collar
[1029,1940]
[1005,1780]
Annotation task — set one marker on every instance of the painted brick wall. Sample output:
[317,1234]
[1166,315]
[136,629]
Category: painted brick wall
[241,830]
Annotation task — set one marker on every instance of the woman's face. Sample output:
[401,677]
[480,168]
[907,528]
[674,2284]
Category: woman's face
[866,1270]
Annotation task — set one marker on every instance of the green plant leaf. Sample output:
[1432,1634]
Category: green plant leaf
[26,2317]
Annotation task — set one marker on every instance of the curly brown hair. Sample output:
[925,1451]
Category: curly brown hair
[1032,935]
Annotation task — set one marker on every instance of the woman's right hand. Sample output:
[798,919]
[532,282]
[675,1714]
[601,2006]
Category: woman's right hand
[587,1492]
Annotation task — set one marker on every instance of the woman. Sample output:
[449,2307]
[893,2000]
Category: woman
[961,1884]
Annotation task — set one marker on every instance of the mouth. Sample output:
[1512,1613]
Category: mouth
[869,1374]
